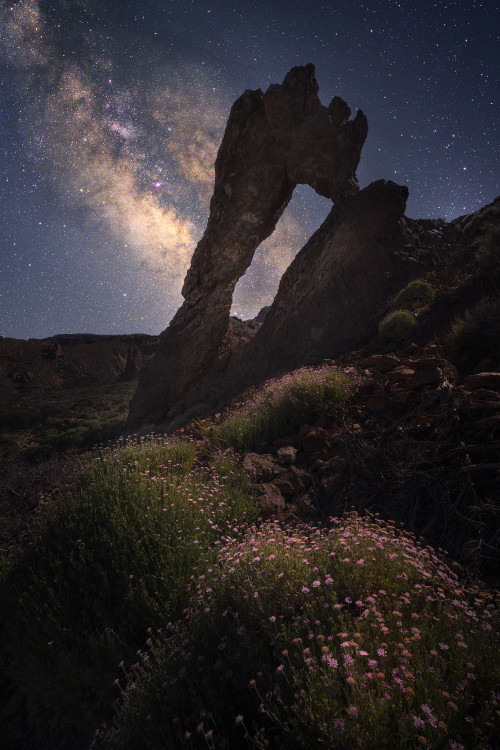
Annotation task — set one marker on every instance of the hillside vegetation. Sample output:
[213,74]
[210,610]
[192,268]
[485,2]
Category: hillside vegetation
[152,598]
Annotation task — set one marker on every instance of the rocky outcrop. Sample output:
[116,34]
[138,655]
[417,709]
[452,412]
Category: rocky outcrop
[273,141]
[329,297]
[329,300]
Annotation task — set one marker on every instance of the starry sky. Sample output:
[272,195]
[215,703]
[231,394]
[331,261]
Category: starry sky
[112,111]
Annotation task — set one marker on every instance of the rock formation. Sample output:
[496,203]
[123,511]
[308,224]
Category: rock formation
[273,141]
[329,297]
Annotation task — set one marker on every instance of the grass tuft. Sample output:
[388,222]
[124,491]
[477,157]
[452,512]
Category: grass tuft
[283,405]
[396,328]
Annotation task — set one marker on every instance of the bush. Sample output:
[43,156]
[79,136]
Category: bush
[477,332]
[110,561]
[487,247]
[283,405]
[397,328]
[417,294]
[341,637]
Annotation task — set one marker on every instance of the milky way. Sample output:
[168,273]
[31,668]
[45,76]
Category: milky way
[111,115]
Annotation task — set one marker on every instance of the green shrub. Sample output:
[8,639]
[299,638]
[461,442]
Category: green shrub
[352,636]
[397,328]
[417,294]
[283,405]
[110,561]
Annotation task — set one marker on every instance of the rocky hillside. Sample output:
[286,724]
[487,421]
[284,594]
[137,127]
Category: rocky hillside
[417,443]
[70,359]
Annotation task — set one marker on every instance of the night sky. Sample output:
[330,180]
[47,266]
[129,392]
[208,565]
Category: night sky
[111,113]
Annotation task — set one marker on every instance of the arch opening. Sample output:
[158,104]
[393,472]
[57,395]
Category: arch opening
[257,288]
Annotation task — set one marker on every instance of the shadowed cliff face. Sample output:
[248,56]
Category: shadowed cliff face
[273,141]
[328,297]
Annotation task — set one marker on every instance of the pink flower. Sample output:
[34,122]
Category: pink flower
[316,584]
[333,663]
[272,618]
[353,711]
[305,590]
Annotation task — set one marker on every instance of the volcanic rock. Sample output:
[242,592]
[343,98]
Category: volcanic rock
[273,141]
[314,438]
[287,455]
[262,466]
[330,298]
[269,499]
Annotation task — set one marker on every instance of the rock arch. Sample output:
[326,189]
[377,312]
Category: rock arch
[272,142]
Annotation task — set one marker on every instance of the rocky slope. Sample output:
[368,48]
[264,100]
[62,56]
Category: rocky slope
[418,444]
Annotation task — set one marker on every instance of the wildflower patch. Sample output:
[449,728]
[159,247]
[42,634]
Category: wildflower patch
[290,641]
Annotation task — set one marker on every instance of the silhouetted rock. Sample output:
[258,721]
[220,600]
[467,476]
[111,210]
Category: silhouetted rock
[328,298]
[483,380]
[272,142]
[329,301]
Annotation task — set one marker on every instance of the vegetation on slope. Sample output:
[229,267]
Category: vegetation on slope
[396,328]
[283,404]
[345,636]
[107,563]
[417,294]
[37,422]
[151,583]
